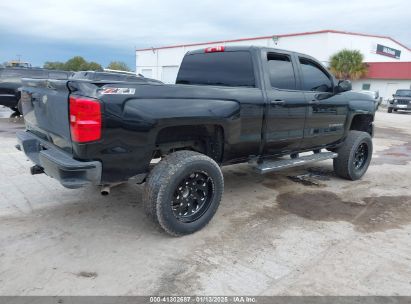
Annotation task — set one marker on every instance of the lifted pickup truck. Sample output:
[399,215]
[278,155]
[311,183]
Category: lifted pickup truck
[229,105]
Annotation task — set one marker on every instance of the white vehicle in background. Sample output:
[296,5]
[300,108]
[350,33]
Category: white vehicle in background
[375,95]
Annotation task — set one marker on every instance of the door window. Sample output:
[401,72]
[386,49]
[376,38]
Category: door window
[314,77]
[281,71]
[148,73]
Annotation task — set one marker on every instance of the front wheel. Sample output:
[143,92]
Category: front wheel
[183,192]
[354,155]
[389,110]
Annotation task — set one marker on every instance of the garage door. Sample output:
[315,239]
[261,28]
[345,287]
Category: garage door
[147,73]
[169,74]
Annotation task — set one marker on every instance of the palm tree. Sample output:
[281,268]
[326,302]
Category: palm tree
[348,64]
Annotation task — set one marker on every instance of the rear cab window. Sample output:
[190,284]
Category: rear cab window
[229,68]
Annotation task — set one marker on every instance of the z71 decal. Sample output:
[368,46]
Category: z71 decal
[121,91]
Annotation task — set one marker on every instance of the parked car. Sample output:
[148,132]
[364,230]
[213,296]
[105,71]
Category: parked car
[401,101]
[229,105]
[10,82]
[111,76]
[375,95]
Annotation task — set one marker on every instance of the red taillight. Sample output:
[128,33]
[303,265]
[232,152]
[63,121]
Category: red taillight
[85,119]
[214,49]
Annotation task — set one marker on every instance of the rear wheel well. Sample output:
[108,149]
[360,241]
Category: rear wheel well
[206,139]
[362,122]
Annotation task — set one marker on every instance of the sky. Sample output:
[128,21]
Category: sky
[103,31]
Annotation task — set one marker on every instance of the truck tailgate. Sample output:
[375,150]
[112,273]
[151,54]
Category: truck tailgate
[46,110]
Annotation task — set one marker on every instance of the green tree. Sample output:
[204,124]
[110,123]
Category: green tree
[348,64]
[54,65]
[118,65]
[76,63]
[94,66]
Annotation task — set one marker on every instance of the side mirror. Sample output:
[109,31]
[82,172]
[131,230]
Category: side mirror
[343,86]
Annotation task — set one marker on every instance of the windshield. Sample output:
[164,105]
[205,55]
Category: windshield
[403,93]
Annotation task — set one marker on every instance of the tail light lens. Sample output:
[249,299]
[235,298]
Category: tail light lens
[85,119]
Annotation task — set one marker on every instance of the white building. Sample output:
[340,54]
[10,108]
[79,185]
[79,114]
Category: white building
[389,60]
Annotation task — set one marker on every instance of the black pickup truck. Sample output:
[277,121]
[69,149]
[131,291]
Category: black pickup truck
[229,105]
[10,82]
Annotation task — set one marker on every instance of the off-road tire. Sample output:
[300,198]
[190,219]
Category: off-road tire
[389,110]
[344,164]
[165,178]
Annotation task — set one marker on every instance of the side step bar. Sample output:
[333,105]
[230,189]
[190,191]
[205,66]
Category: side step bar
[280,164]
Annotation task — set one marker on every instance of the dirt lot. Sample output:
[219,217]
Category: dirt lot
[271,235]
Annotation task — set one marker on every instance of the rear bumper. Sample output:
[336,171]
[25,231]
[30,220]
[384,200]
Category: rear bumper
[58,164]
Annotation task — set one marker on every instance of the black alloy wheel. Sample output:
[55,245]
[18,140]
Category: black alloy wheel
[192,197]
[354,155]
[360,156]
[183,191]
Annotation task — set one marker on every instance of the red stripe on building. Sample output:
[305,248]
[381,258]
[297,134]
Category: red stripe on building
[389,70]
[269,37]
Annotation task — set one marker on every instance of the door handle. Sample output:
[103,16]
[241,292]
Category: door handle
[277,102]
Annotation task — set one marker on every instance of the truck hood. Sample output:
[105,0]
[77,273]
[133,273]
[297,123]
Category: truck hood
[359,96]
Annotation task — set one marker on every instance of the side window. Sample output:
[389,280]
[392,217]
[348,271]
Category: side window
[314,78]
[281,71]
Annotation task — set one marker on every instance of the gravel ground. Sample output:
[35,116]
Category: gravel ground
[272,235]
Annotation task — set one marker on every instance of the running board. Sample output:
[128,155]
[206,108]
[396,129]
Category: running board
[280,164]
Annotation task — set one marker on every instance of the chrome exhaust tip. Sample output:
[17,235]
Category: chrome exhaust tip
[105,190]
